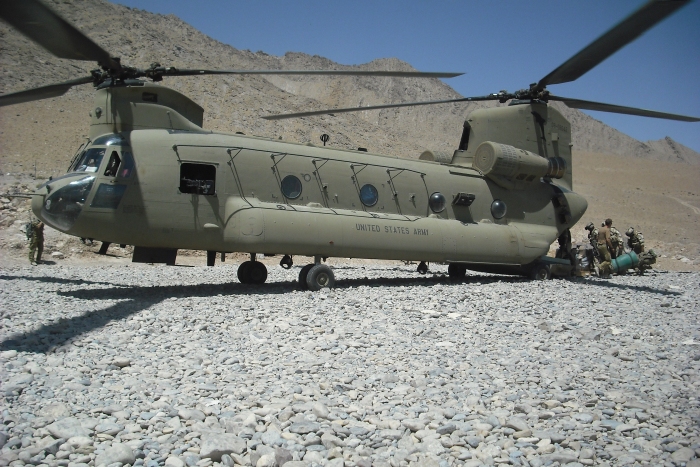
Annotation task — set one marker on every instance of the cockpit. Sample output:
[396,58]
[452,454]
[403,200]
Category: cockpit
[108,163]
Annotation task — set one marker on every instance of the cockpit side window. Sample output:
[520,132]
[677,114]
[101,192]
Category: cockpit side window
[113,165]
[127,164]
[91,160]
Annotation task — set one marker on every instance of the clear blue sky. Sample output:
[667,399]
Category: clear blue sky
[498,44]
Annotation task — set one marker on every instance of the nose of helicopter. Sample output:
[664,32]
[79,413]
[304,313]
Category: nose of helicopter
[59,202]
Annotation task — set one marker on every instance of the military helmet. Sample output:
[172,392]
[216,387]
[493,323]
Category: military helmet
[590,226]
[630,232]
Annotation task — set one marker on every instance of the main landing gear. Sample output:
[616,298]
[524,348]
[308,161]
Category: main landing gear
[252,272]
[316,276]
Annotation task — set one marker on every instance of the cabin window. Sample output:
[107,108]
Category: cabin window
[91,160]
[291,187]
[437,202]
[113,165]
[198,179]
[498,209]
[369,195]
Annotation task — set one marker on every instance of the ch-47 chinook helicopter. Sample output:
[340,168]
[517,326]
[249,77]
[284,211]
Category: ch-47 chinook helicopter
[152,177]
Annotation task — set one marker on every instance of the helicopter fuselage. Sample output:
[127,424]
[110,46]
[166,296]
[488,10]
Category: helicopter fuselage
[186,188]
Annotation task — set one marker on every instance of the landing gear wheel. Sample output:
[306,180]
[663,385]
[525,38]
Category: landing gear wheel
[456,271]
[244,272]
[302,276]
[422,268]
[257,273]
[540,272]
[320,276]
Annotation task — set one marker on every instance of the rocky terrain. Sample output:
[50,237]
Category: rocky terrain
[176,366]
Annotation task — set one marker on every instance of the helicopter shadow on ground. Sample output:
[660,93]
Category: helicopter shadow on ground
[49,338]
[59,334]
[51,280]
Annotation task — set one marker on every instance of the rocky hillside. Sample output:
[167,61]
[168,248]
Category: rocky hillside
[46,133]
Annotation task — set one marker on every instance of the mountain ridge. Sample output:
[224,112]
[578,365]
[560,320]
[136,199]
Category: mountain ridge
[237,103]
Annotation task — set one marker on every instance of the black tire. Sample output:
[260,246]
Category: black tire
[422,268]
[258,273]
[456,271]
[541,272]
[320,276]
[302,276]
[244,272]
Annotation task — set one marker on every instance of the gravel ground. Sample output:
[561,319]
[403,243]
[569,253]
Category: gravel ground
[149,365]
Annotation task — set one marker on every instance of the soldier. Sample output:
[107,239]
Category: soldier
[604,248]
[645,261]
[592,234]
[635,242]
[616,240]
[36,242]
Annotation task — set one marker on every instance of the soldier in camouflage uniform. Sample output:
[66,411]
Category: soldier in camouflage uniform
[617,245]
[36,242]
[592,235]
[592,254]
[645,261]
[635,242]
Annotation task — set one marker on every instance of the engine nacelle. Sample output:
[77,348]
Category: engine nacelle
[499,161]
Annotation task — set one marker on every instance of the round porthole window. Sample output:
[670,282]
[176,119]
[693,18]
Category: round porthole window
[369,195]
[498,209]
[437,202]
[291,187]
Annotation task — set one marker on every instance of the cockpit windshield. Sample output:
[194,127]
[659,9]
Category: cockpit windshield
[90,160]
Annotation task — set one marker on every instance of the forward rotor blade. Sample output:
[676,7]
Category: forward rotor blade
[396,74]
[44,92]
[589,105]
[490,97]
[620,35]
[43,25]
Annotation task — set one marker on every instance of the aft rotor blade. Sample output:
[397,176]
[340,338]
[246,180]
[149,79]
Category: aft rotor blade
[43,25]
[43,92]
[490,97]
[618,109]
[620,35]
[395,74]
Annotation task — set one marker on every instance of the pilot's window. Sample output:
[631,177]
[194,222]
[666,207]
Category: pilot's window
[113,165]
[91,160]
[437,202]
[108,196]
[111,139]
[369,195]
[291,187]
[198,179]
[127,164]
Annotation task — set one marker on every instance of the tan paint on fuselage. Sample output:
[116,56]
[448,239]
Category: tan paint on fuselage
[249,213]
